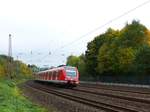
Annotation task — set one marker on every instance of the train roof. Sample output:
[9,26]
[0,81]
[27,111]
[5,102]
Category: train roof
[57,68]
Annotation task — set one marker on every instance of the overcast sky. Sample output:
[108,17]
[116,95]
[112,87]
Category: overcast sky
[42,26]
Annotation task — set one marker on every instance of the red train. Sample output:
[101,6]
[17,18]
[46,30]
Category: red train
[65,75]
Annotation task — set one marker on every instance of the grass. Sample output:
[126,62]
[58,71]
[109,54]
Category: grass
[11,99]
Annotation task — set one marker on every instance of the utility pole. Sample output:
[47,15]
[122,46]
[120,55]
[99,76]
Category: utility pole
[10,46]
[10,57]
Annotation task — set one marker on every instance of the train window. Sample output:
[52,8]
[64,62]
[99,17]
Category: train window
[71,73]
[70,68]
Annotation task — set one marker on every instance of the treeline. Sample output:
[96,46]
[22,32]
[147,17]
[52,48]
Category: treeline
[117,55]
[13,68]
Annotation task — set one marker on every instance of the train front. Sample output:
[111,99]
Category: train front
[72,76]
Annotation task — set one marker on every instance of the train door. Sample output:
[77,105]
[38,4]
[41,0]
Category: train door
[54,75]
[46,75]
[49,75]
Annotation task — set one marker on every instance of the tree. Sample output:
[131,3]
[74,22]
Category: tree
[134,35]
[94,46]
[81,65]
[78,62]
[73,61]
[117,52]
[104,62]
[125,58]
[2,72]
[17,68]
[142,60]
[92,52]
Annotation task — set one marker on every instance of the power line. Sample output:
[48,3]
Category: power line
[110,21]
[100,27]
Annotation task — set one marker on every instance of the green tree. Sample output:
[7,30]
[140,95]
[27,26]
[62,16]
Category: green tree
[73,61]
[117,52]
[134,35]
[78,62]
[94,46]
[125,58]
[17,68]
[142,60]
[2,72]
[81,65]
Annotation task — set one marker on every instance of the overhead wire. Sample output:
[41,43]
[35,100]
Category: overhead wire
[100,27]
[110,21]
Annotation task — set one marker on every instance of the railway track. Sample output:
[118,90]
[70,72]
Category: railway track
[138,97]
[118,88]
[77,98]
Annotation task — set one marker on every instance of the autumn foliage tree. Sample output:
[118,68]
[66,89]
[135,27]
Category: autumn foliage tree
[18,68]
[142,60]
[119,52]
[79,62]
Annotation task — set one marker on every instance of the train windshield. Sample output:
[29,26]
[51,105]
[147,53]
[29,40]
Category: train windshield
[71,71]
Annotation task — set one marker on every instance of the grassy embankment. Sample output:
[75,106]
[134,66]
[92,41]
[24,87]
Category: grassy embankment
[12,100]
